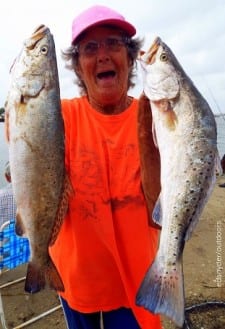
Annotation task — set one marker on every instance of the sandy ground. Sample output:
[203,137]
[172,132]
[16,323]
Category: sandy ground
[204,274]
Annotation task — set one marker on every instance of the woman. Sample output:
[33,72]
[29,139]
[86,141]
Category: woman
[105,244]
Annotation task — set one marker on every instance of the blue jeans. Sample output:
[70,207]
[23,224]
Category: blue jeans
[117,319]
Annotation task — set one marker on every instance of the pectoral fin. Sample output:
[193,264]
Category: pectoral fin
[157,213]
[168,115]
[19,227]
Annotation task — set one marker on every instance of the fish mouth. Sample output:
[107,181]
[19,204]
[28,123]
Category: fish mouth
[37,35]
[153,50]
[40,29]
[106,74]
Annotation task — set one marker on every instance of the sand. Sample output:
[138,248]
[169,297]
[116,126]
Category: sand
[204,275]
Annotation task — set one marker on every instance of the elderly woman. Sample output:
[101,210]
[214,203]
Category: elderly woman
[106,243]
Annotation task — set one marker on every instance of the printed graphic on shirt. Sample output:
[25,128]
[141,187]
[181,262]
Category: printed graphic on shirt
[107,177]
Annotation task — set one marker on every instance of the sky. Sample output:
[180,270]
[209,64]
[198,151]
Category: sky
[194,30]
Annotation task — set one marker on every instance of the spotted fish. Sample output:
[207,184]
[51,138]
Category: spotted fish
[184,130]
[35,133]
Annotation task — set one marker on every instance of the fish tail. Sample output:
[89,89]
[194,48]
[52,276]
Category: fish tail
[37,277]
[163,291]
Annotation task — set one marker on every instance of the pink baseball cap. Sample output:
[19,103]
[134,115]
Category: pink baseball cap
[98,15]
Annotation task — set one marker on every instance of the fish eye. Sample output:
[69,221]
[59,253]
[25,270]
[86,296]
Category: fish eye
[163,57]
[44,50]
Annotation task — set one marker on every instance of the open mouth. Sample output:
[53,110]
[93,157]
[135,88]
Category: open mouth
[106,74]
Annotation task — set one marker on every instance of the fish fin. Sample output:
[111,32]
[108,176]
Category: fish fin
[37,277]
[170,117]
[19,227]
[163,292]
[62,209]
[157,213]
[53,278]
[154,136]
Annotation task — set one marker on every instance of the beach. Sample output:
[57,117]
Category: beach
[204,267]
[204,277]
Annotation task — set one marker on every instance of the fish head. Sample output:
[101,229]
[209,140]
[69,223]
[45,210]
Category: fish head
[161,80]
[31,71]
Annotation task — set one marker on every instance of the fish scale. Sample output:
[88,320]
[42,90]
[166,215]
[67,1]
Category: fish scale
[184,130]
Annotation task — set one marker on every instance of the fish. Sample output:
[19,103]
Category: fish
[184,130]
[35,135]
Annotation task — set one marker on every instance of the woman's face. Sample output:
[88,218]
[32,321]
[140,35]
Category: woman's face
[104,69]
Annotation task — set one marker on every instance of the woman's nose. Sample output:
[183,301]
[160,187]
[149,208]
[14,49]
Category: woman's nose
[103,53]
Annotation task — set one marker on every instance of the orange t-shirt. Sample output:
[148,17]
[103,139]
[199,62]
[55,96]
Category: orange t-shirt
[105,245]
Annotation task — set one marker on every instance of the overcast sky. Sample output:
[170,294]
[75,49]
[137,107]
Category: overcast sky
[194,30]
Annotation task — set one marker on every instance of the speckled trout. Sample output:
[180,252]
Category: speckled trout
[35,133]
[184,130]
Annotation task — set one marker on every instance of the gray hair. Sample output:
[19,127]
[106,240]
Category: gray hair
[71,56]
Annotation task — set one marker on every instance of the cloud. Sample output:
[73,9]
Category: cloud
[194,30]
